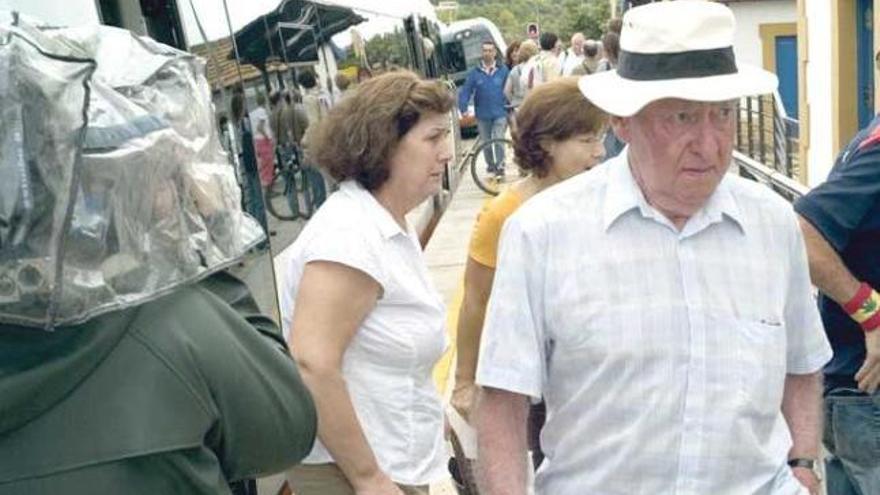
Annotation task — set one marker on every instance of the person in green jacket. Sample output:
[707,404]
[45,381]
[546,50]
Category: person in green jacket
[180,395]
[130,361]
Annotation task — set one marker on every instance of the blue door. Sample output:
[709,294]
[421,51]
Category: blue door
[865,61]
[786,70]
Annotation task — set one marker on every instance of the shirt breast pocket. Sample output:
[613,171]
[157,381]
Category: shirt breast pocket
[759,364]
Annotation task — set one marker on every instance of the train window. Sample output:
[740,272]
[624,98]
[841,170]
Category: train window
[158,19]
[473,49]
[455,57]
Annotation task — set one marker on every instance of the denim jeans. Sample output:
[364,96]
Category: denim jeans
[318,185]
[852,437]
[493,129]
[252,192]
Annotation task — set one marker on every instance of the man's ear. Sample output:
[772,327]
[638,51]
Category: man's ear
[621,127]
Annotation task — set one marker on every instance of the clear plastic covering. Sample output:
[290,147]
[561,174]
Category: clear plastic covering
[114,188]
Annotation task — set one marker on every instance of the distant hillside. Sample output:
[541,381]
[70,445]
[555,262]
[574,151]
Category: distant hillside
[563,17]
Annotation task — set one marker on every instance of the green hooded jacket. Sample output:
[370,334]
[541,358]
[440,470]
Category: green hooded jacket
[180,395]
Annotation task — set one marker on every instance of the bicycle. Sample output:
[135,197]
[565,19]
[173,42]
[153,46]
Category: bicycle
[296,190]
[493,180]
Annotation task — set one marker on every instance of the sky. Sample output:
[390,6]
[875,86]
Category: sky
[383,15]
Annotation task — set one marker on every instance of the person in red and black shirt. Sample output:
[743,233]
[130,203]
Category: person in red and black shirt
[841,223]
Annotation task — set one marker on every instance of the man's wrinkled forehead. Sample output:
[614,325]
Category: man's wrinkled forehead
[679,104]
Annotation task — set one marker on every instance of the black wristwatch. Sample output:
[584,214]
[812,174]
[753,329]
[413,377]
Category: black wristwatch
[800,462]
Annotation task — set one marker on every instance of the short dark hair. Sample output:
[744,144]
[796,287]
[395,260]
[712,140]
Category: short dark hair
[372,120]
[342,81]
[548,40]
[591,49]
[307,79]
[553,111]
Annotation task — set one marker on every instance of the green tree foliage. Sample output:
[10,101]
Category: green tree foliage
[387,49]
[563,17]
[589,18]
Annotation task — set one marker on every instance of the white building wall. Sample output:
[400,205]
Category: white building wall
[820,156]
[749,17]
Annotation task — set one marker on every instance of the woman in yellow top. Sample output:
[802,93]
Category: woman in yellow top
[559,134]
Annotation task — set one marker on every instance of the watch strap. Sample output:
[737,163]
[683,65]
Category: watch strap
[802,463]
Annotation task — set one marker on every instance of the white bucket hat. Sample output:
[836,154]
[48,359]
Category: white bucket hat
[681,49]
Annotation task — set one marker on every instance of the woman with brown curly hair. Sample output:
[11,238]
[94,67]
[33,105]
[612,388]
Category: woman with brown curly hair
[559,134]
[365,323]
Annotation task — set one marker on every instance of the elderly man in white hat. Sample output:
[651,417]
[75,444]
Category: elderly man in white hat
[660,306]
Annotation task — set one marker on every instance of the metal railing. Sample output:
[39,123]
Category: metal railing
[767,135]
[782,184]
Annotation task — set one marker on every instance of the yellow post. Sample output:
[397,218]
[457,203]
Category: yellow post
[844,113]
[803,104]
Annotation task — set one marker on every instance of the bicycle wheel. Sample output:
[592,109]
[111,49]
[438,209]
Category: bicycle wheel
[492,165]
[278,196]
[303,194]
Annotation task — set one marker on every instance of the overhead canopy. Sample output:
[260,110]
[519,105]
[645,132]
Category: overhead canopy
[259,40]
[399,9]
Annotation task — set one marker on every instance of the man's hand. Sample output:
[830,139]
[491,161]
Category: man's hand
[808,479]
[869,374]
[802,409]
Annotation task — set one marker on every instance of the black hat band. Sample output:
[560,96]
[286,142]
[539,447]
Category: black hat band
[680,65]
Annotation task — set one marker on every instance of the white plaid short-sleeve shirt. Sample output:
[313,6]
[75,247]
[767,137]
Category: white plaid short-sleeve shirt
[661,354]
